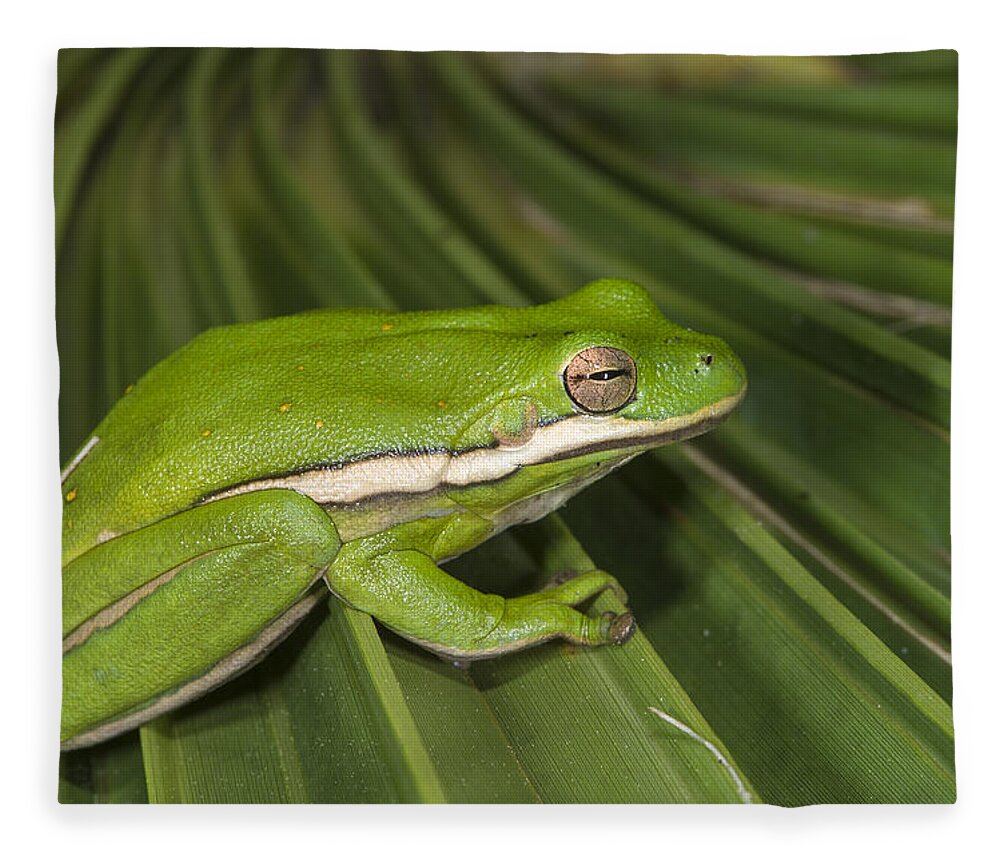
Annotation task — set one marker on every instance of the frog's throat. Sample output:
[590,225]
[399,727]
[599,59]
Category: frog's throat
[359,481]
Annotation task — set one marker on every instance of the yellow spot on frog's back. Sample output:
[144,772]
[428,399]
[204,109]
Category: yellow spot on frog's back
[442,403]
[300,367]
[71,495]
[129,388]
[205,432]
[320,423]
[388,326]
[284,407]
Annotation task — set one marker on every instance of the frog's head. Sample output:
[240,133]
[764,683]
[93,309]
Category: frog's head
[628,378]
[586,383]
[672,379]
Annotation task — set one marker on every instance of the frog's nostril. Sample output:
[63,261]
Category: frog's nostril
[708,359]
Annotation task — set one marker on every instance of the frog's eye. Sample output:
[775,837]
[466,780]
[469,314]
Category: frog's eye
[600,379]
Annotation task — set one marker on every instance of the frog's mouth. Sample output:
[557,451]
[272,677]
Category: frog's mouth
[630,436]
[361,482]
[584,435]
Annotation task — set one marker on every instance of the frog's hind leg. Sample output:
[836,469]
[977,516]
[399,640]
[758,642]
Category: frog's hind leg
[195,599]
[410,594]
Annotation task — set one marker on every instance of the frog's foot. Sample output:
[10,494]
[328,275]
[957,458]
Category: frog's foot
[551,614]
[568,589]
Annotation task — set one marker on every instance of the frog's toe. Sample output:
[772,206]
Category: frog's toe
[622,628]
[612,628]
[572,589]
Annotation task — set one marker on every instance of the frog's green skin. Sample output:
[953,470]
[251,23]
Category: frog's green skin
[362,448]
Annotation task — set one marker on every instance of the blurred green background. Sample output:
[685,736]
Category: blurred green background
[790,571]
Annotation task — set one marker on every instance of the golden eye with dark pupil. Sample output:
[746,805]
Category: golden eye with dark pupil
[600,379]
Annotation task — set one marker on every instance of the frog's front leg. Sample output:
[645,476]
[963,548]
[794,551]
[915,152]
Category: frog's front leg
[409,593]
[159,616]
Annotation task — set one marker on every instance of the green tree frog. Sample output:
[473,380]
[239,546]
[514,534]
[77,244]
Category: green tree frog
[355,451]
